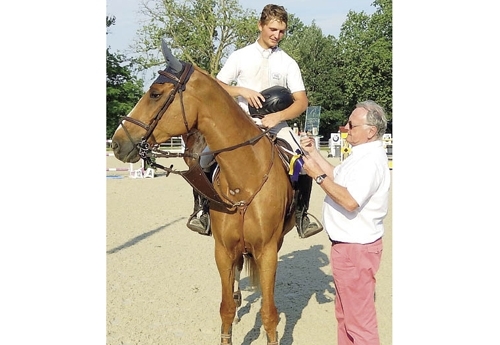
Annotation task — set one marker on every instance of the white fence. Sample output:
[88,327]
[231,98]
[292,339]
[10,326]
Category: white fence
[175,144]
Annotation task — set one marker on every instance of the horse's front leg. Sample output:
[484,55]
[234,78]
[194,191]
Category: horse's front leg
[226,267]
[268,263]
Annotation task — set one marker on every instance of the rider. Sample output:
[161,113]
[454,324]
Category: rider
[260,66]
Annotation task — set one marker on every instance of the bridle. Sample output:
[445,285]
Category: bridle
[179,86]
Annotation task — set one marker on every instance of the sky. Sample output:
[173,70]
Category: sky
[328,15]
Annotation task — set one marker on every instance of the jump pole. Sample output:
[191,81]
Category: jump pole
[139,173]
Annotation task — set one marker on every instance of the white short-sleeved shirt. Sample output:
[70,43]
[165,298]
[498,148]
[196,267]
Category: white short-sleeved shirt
[366,175]
[243,67]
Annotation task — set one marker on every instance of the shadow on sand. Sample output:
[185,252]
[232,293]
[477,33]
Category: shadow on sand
[141,237]
[299,277]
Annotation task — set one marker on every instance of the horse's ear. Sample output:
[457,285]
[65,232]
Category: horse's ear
[172,62]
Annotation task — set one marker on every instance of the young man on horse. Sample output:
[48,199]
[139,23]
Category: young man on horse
[253,69]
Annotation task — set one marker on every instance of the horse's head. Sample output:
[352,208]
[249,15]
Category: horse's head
[160,113]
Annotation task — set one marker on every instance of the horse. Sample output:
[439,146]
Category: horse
[252,203]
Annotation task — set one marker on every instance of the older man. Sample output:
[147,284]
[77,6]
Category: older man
[355,205]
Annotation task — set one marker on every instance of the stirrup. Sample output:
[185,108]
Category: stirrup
[200,223]
[312,228]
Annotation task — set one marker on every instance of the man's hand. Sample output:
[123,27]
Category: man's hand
[307,143]
[271,120]
[254,98]
[311,167]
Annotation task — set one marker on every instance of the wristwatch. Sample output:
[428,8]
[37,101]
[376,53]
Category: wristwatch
[320,178]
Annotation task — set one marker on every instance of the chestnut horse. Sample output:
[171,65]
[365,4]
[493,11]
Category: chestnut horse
[255,206]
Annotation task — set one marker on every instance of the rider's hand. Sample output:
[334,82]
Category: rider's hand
[271,120]
[254,98]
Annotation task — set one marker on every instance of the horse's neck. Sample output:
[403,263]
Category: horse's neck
[223,123]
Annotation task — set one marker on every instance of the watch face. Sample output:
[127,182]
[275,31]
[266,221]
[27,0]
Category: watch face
[319,179]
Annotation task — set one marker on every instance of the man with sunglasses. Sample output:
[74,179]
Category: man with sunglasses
[355,205]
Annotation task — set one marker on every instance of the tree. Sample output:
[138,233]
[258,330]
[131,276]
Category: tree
[123,88]
[365,57]
[202,32]
[314,52]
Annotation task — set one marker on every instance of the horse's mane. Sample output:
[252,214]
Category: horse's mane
[201,70]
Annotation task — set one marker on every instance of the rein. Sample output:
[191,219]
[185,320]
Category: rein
[210,194]
[167,154]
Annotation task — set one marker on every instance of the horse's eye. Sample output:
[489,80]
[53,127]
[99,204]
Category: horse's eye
[154,94]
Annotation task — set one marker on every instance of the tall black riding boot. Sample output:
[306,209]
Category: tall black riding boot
[199,220]
[305,227]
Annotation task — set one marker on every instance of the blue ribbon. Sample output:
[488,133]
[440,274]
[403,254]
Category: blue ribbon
[296,164]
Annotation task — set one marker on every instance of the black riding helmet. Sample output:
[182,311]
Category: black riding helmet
[277,98]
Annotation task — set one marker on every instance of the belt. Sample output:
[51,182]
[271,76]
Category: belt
[338,242]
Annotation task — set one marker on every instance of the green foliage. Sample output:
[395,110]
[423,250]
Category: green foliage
[314,53]
[202,32]
[338,73]
[123,88]
[365,57]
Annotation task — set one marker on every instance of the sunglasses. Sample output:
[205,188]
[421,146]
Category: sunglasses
[351,126]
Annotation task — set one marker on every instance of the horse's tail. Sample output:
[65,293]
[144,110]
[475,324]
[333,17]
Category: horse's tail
[252,271]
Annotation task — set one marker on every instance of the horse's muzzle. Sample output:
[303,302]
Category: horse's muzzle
[125,151]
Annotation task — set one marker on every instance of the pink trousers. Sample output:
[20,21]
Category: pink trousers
[354,267]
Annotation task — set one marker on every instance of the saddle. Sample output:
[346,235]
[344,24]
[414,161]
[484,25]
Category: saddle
[285,152]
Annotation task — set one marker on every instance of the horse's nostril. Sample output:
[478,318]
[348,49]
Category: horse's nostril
[114,145]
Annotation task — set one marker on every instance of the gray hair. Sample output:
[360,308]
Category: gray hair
[375,116]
